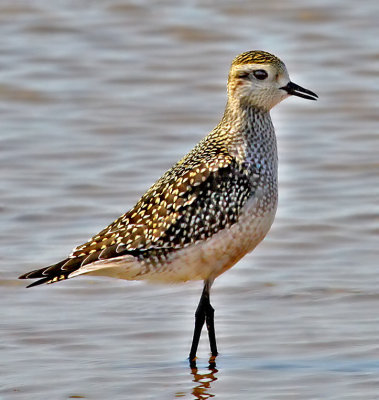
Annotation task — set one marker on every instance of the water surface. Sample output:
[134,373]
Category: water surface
[97,100]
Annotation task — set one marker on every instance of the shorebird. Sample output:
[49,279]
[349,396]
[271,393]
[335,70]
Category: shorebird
[210,209]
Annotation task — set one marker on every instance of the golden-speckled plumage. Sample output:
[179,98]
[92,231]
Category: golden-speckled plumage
[256,57]
[203,214]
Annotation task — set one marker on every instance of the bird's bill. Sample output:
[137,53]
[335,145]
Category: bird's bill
[296,90]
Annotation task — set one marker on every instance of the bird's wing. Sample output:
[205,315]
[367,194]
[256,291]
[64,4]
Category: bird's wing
[196,198]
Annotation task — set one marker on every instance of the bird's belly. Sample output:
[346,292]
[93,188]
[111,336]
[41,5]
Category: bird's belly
[202,260]
[210,258]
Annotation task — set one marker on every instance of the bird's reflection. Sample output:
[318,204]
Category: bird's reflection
[204,380]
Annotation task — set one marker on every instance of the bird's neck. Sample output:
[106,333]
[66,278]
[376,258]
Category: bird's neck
[247,130]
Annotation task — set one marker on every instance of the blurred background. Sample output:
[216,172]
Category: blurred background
[97,100]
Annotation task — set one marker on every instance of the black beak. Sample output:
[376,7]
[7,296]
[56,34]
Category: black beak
[296,90]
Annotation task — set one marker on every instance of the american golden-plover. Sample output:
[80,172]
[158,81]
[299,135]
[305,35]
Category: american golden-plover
[210,209]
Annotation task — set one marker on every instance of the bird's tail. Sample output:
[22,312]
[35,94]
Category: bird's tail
[50,274]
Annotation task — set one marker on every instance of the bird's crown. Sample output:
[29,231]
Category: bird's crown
[256,57]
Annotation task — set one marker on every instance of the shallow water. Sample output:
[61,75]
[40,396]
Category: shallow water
[97,100]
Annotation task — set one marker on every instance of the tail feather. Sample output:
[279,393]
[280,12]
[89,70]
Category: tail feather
[39,282]
[73,266]
[50,274]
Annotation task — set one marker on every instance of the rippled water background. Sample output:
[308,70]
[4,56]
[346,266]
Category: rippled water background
[97,100]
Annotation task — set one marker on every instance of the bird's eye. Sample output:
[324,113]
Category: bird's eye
[260,74]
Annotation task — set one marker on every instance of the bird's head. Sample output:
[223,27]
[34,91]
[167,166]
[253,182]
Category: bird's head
[259,79]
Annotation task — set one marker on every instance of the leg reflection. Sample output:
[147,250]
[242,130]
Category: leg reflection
[204,380]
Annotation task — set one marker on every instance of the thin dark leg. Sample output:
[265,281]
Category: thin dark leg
[199,322]
[204,312]
[209,315]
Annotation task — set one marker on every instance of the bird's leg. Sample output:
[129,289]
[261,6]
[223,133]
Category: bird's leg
[199,322]
[209,317]
[204,312]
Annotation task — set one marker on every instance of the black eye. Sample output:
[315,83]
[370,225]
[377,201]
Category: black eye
[260,74]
